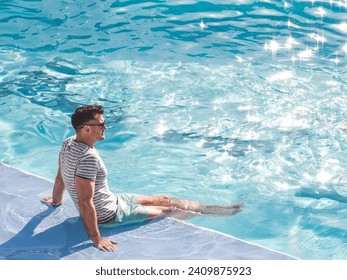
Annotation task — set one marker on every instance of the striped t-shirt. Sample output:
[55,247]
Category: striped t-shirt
[78,159]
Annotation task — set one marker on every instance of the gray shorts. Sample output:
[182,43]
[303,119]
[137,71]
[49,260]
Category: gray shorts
[128,211]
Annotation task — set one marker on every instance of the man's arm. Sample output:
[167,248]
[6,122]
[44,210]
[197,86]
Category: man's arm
[58,191]
[85,189]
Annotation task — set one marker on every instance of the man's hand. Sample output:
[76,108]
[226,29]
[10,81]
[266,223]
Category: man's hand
[48,200]
[104,244]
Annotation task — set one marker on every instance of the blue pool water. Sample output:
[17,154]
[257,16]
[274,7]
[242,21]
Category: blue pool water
[217,101]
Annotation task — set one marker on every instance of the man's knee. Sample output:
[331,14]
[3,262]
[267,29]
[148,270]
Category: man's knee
[164,200]
[158,200]
[157,211]
[153,213]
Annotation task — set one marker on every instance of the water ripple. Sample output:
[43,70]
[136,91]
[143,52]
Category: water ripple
[210,29]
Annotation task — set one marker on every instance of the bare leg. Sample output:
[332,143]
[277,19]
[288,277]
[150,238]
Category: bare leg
[163,211]
[159,200]
[220,210]
[190,206]
[156,211]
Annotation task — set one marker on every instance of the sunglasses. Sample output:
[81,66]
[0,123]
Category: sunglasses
[101,125]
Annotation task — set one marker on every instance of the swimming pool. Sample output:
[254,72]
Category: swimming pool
[204,100]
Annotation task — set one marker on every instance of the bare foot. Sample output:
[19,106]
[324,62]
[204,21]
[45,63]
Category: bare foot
[236,208]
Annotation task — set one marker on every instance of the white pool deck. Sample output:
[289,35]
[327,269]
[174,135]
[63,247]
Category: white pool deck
[32,230]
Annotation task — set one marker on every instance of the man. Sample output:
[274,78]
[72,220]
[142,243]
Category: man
[82,172]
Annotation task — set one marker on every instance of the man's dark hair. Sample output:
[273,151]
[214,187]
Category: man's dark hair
[84,114]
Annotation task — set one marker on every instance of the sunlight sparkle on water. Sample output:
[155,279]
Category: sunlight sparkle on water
[250,148]
[244,108]
[161,128]
[342,4]
[336,60]
[293,58]
[214,131]
[324,176]
[290,42]
[305,54]
[239,58]
[345,48]
[318,38]
[280,76]
[228,146]
[282,186]
[252,118]
[321,12]
[201,143]
[273,46]
[342,26]
[202,25]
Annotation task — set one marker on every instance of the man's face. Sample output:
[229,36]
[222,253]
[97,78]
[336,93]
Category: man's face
[97,127]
